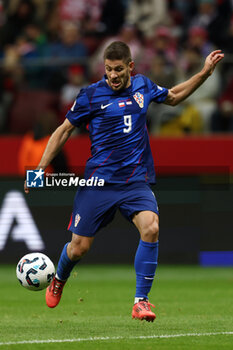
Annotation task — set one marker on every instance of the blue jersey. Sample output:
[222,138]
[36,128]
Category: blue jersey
[117,125]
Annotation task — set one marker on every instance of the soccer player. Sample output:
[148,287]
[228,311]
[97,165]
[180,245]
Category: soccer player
[115,109]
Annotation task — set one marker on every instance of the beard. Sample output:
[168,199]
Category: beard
[120,83]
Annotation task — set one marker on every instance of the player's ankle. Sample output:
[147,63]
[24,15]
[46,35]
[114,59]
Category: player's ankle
[59,279]
[138,299]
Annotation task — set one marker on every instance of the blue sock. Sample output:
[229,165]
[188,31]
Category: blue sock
[65,265]
[145,264]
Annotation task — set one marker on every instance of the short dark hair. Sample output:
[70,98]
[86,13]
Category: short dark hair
[118,50]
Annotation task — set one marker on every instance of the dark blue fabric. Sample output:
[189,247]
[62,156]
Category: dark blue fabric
[95,207]
[65,265]
[145,264]
[117,125]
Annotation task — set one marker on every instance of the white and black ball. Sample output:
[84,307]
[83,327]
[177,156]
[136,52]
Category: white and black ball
[35,271]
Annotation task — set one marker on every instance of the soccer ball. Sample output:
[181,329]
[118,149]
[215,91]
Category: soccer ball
[35,271]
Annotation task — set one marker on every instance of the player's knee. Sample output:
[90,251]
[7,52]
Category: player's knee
[151,232]
[76,251]
[78,248]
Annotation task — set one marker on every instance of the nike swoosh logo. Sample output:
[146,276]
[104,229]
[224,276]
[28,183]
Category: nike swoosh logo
[105,106]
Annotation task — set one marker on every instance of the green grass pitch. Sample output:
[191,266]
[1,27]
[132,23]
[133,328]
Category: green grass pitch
[194,308]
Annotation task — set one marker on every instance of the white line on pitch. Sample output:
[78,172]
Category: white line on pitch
[166,336]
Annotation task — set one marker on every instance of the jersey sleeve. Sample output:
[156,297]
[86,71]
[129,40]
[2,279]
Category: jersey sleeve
[158,93]
[80,111]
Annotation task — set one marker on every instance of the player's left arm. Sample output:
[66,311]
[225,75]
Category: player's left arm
[181,91]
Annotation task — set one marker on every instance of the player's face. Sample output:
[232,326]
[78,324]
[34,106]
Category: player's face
[118,74]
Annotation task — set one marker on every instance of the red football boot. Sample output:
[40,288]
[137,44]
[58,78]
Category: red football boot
[54,292]
[142,311]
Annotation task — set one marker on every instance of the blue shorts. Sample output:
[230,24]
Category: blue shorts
[95,207]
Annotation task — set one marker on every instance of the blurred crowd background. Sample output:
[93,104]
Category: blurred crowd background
[50,49]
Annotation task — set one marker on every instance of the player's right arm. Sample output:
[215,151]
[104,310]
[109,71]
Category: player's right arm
[54,145]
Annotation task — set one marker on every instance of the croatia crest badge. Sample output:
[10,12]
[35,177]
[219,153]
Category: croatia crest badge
[139,98]
[77,219]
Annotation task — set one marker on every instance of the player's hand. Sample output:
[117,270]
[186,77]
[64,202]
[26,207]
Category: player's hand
[26,189]
[211,60]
